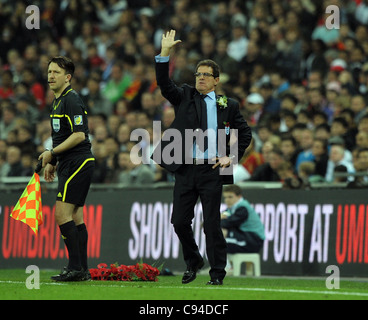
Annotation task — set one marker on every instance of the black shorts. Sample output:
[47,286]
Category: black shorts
[74,179]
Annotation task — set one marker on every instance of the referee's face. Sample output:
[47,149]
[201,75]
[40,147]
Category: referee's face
[58,79]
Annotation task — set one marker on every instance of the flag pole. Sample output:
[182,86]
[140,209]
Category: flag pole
[39,166]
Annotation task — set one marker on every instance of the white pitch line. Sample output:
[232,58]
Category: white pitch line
[335,292]
[331,292]
[41,283]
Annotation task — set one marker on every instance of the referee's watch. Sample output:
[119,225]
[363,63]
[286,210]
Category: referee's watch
[53,153]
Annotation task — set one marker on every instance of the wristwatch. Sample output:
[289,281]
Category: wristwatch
[53,153]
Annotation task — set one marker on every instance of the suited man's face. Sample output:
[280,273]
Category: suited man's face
[205,83]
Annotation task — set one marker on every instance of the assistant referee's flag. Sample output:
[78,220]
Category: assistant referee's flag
[29,206]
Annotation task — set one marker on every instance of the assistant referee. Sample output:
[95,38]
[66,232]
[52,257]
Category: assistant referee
[72,159]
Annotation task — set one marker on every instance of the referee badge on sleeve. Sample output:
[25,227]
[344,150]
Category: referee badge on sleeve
[78,120]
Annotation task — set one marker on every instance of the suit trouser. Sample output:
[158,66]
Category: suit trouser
[191,182]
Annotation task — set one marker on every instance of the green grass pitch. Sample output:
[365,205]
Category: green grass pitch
[13,287]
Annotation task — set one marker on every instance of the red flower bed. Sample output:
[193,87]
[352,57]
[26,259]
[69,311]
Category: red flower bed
[138,272]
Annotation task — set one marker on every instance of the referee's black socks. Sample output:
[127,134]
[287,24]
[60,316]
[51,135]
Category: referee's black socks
[83,240]
[69,233]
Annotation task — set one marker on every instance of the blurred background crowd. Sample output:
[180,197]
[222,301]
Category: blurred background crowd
[302,87]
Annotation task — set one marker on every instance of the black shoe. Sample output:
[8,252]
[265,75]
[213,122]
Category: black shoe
[69,275]
[191,273]
[86,275]
[215,282]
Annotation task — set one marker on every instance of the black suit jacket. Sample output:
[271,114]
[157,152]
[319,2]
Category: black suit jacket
[186,102]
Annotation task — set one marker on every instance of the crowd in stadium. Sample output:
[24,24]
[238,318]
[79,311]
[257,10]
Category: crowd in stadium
[302,87]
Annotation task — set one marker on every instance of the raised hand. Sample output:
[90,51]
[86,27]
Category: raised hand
[168,41]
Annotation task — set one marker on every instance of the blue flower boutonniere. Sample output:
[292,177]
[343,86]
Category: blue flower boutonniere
[222,102]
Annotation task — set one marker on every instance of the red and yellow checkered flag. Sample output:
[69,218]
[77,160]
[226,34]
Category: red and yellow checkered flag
[29,206]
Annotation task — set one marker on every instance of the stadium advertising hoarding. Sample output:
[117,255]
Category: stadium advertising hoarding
[306,231]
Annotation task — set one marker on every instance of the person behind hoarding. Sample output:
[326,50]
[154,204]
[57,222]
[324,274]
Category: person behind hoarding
[241,225]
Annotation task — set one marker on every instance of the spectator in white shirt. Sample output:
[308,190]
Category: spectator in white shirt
[238,46]
[361,12]
[336,158]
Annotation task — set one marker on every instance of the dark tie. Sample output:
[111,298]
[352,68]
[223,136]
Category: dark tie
[204,125]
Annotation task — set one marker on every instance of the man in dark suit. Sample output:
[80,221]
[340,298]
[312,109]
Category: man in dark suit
[202,166]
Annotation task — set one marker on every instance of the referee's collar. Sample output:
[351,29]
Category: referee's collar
[66,90]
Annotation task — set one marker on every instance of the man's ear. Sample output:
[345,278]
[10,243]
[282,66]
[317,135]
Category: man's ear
[68,77]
